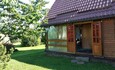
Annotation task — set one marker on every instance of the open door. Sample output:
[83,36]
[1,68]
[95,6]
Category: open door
[71,42]
[97,40]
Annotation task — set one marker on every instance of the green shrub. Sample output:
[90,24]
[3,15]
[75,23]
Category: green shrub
[43,38]
[4,58]
[31,40]
[39,41]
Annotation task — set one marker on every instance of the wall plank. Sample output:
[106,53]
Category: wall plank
[108,33]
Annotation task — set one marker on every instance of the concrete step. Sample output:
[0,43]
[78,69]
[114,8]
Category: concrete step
[84,59]
[78,62]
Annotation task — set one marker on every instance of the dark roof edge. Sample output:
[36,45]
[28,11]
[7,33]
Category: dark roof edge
[82,20]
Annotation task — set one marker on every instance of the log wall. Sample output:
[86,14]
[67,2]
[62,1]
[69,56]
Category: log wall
[108,34]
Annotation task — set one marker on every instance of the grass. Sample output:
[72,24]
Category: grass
[34,58]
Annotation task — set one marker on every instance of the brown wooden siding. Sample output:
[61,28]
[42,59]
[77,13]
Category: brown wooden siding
[108,33]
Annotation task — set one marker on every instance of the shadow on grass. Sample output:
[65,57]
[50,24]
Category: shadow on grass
[38,58]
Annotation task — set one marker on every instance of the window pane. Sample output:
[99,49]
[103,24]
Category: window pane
[59,49]
[52,33]
[57,32]
[64,33]
[60,32]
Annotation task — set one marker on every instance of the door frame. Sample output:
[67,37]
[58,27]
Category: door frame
[85,23]
[74,50]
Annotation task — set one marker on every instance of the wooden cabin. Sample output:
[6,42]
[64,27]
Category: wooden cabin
[82,27]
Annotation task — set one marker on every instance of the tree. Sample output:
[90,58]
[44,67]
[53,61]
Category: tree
[19,19]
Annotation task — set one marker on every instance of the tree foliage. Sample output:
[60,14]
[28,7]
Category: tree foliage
[4,56]
[18,19]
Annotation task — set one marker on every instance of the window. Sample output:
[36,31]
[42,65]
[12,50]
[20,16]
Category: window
[57,32]
[57,38]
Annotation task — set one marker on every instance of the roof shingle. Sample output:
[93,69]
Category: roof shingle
[76,10]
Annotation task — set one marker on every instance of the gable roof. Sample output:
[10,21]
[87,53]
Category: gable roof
[80,10]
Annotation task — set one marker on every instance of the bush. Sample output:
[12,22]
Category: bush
[29,40]
[39,41]
[43,38]
[4,58]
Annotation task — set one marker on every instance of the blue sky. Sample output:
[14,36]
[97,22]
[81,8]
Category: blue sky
[48,5]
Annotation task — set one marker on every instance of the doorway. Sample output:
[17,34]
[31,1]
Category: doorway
[84,38]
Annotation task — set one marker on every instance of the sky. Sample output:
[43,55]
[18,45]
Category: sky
[47,6]
[50,3]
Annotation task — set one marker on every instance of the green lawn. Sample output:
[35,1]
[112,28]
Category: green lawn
[34,58]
